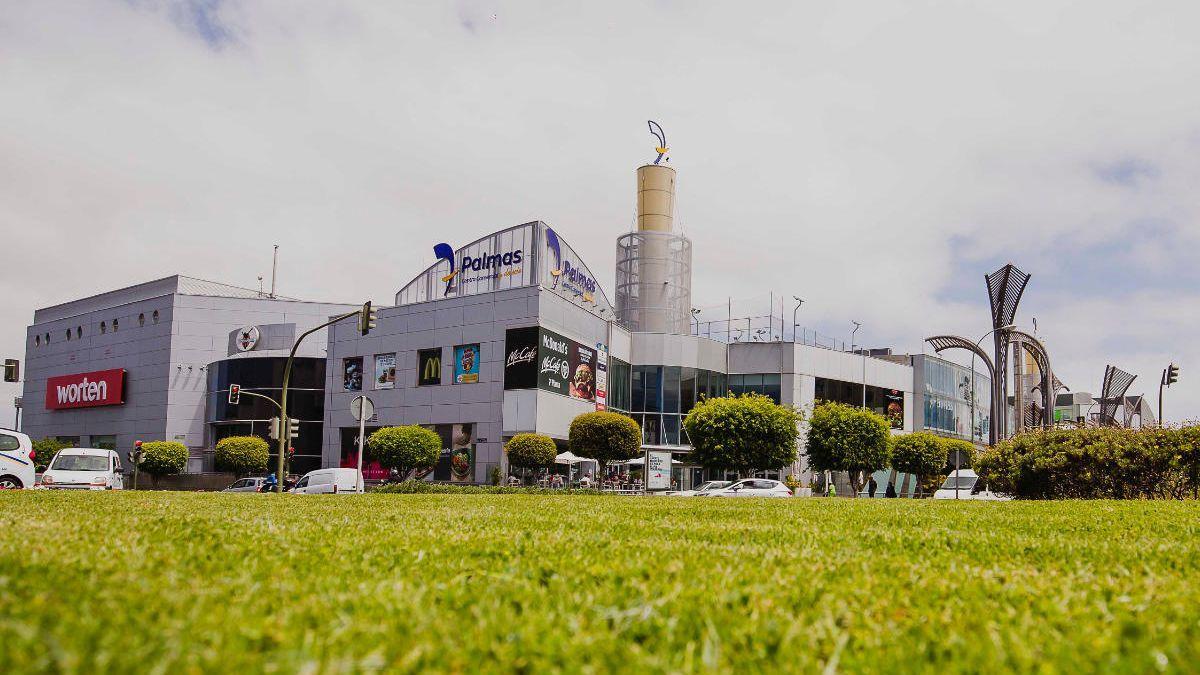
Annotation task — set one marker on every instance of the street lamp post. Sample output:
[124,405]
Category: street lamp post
[696,319]
[858,325]
[797,309]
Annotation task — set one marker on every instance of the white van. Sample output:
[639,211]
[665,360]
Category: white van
[329,481]
[84,469]
[16,461]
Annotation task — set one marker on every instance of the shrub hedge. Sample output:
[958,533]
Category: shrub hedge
[161,458]
[241,455]
[530,451]
[1096,463]
[419,487]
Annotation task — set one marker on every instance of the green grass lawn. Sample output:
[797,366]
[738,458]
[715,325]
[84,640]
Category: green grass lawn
[176,582]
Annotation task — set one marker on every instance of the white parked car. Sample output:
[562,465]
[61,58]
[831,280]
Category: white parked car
[969,487]
[702,489]
[16,461]
[329,481]
[84,469]
[751,487]
[245,485]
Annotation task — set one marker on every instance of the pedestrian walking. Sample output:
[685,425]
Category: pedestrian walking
[891,490]
[872,486]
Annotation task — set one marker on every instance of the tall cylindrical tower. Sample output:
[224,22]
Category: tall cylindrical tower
[654,264]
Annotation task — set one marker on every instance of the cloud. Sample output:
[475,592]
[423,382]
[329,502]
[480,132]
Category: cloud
[875,159]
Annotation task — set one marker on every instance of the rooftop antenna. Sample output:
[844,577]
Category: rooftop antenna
[274,267]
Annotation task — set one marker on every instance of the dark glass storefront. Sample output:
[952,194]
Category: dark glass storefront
[881,401]
[252,415]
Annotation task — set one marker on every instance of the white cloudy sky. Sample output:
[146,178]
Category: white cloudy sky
[875,158]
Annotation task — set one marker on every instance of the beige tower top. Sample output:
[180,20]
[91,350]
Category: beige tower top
[655,198]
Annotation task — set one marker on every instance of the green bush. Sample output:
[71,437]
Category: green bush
[1096,463]
[420,487]
[44,451]
[530,451]
[744,433]
[162,458]
[920,453]
[966,450]
[848,438]
[404,449]
[241,455]
[605,437]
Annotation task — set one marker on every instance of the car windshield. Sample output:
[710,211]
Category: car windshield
[66,462]
[712,485]
[964,482]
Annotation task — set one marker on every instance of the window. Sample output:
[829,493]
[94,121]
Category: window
[670,389]
[154,316]
[687,389]
[68,335]
[114,325]
[9,442]
[37,340]
[653,383]
[429,367]
[141,320]
[79,332]
[103,328]
[767,384]
[303,483]
[104,442]
[619,385]
[47,338]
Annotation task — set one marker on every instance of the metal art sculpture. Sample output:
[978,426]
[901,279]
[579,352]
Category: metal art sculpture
[657,132]
[941,343]
[1112,393]
[1047,386]
[1005,287]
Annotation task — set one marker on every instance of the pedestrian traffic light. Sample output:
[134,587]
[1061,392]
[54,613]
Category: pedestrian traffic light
[12,370]
[235,393]
[293,428]
[366,318]
[274,429]
[1172,374]
[136,455]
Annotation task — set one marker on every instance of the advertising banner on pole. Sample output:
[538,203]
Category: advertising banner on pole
[601,376]
[658,470]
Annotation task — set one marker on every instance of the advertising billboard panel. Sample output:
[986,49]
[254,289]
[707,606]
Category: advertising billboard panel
[429,367]
[521,358]
[566,367]
[385,371]
[466,364]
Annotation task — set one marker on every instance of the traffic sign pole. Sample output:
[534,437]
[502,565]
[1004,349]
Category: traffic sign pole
[362,408]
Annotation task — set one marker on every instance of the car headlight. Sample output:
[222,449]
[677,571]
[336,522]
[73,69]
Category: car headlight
[47,479]
[99,480]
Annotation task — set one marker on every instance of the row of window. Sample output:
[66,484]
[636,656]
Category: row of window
[38,340]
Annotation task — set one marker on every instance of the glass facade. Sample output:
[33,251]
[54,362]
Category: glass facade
[881,401]
[660,396]
[947,409]
[252,415]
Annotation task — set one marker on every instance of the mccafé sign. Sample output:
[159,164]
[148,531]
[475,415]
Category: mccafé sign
[86,390]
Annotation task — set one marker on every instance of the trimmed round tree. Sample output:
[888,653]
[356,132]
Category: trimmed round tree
[921,453]
[605,437]
[241,455]
[163,458]
[744,433]
[404,449]
[530,451]
[966,453]
[44,451]
[848,438]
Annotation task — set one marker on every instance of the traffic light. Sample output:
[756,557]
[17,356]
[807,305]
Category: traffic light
[135,457]
[235,393]
[12,370]
[366,318]
[274,432]
[293,428]
[1172,374]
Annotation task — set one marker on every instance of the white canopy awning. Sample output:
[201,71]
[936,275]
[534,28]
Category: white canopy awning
[569,457]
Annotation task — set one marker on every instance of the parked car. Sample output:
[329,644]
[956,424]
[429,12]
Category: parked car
[329,481]
[703,488]
[969,487]
[16,461]
[245,485]
[84,469]
[752,487]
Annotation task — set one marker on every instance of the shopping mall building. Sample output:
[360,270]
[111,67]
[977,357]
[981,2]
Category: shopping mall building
[510,333]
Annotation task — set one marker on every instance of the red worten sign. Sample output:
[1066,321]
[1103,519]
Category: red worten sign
[86,390]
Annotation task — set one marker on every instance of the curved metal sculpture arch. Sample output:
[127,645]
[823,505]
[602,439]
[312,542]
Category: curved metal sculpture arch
[941,343]
[1047,386]
[1112,393]
[1005,287]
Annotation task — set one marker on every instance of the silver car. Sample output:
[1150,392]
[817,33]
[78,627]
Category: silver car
[752,487]
[245,485]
